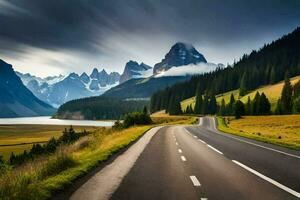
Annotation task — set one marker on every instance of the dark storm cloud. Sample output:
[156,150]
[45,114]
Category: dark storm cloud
[86,25]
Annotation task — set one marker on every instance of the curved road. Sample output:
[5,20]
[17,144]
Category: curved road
[199,162]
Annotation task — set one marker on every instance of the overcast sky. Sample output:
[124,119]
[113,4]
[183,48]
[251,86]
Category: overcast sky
[49,37]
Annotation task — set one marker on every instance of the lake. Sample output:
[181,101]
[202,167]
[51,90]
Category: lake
[46,120]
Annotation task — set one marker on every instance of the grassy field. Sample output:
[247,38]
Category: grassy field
[21,137]
[273,92]
[281,130]
[41,178]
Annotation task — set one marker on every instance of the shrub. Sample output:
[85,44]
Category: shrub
[136,118]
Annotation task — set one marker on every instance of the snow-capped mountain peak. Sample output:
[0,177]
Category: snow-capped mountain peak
[57,90]
[180,54]
[134,70]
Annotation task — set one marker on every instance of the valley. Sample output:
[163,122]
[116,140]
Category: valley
[149,100]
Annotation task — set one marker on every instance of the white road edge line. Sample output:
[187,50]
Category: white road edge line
[183,158]
[289,190]
[195,136]
[195,181]
[179,150]
[202,141]
[215,149]
[278,151]
[203,198]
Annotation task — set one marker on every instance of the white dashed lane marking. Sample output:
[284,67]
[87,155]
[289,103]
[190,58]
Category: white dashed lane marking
[216,150]
[183,158]
[195,181]
[179,150]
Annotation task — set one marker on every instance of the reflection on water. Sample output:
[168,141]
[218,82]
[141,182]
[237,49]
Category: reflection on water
[46,120]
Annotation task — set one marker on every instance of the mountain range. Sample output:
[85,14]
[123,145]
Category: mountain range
[57,90]
[180,56]
[15,99]
[138,81]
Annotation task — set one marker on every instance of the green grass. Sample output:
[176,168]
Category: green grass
[272,92]
[281,130]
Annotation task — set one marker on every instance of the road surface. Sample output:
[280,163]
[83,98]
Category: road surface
[199,162]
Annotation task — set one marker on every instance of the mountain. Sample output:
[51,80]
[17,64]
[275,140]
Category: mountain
[143,88]
[15,99]
[26,78]
[180,54]
[134,70]
[60,89]
[266,66]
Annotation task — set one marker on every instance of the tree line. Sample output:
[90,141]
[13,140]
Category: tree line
[288,103]
[96,108]
[266,66]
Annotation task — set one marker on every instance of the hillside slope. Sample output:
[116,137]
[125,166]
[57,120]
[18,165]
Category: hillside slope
[142,87]
[272,92]
[15,99]
[265,66]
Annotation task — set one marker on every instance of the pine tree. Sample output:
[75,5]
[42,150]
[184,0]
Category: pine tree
[175,107]
[239,109]
[264,105]
[243,85]
[255,104]
[213,105]
[230,106]
[248,107]
[272,76]
[286,97]
[222,110]
[145,111]
[205,105]
[198,104]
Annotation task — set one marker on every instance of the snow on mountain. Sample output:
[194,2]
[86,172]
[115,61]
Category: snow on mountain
[180,54]
[57,90]
[134,70]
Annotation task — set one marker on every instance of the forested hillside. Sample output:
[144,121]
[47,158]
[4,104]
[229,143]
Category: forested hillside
[98,108]
[266,66]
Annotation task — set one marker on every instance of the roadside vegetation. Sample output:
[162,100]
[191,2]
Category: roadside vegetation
[17,138]
[43,173]
[283,130]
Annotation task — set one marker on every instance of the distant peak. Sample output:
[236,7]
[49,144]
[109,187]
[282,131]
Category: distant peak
[95,70]
[183,45]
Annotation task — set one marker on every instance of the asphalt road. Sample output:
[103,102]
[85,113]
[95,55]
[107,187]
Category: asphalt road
[199,162]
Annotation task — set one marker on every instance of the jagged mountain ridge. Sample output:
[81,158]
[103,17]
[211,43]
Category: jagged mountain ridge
[70,87]
[180,54]
[134,70]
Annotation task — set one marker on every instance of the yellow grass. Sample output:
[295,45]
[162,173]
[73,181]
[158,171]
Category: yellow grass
[282,130]
[21,137]
[272,92]
[85,154]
